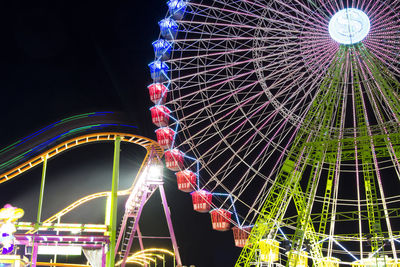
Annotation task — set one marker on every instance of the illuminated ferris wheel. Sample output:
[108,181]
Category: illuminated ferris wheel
[283,118]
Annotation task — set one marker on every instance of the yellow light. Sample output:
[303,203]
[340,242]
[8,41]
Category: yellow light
[298,259]
[387,261]
[147,254]
[269,250]
[143,258]
[166,251]
[10,213]
[139,262]
[59,250]
[133,258]
[330,262]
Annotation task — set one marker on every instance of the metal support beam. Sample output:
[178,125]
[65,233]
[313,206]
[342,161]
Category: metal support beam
[121,233]
[132,235]
[113,207]
[140,241]
[35,247]
[39,214]
[169,222]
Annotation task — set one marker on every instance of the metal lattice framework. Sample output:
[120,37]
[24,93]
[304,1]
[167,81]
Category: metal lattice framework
[301,131]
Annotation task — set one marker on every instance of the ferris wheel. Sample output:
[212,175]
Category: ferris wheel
[282,117]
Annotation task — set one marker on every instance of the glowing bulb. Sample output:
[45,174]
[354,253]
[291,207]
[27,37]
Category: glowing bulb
[155,172]
[349,26]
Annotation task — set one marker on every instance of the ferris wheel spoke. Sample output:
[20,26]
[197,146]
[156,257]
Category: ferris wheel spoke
[233,27]
[218,69]
[375,162]
[325,7]
[226,40]
[382,195]
[218,84]
[383,54]
[356,160]
[304,18]
[377,9]
[215,157]
[264,187]
[254,17]
[226,114]
[217,11]
[300,20]
[375,89]
[365,5]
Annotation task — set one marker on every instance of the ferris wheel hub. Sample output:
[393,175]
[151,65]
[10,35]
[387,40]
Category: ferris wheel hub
[349,26]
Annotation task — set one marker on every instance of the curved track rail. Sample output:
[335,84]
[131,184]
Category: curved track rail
[27,156]
[147,143]
[22,150]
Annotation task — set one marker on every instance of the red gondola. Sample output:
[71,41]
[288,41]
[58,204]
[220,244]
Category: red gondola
[174,159]
[160,115]
[158,93]
[165,137]
[186,180]
[240,235]
[220,219]
[201,201]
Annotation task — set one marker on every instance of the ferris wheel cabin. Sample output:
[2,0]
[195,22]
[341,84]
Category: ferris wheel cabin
[186,180]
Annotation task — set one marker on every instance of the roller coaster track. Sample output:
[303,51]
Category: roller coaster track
[147,143]
[27,156]
[72,126]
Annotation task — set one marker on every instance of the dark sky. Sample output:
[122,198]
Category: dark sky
[62,58]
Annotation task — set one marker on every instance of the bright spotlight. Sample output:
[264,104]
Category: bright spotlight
[349,26]
[155,172]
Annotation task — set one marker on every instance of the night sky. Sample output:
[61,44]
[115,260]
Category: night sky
[63,58]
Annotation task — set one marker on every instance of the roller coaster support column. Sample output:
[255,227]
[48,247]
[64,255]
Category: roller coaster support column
[112,211]
[140,241]
[39,214]
[135,226]
[35,247]
[169,222]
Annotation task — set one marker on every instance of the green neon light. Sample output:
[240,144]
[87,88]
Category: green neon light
[76,117]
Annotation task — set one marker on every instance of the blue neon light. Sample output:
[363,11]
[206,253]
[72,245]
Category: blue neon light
[342,247]
[173,142]
[234,210]
[284,236]
[47,143]
[168,28]
[349,26]
[177,8]
[36,133]
[158,71]
[162,49]
[102,113]
[221,194]
[190,158]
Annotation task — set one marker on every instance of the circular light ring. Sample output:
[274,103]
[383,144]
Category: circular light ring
[349,26]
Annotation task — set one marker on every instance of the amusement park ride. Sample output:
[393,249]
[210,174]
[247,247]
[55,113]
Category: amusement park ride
[99,242]
[283,117]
